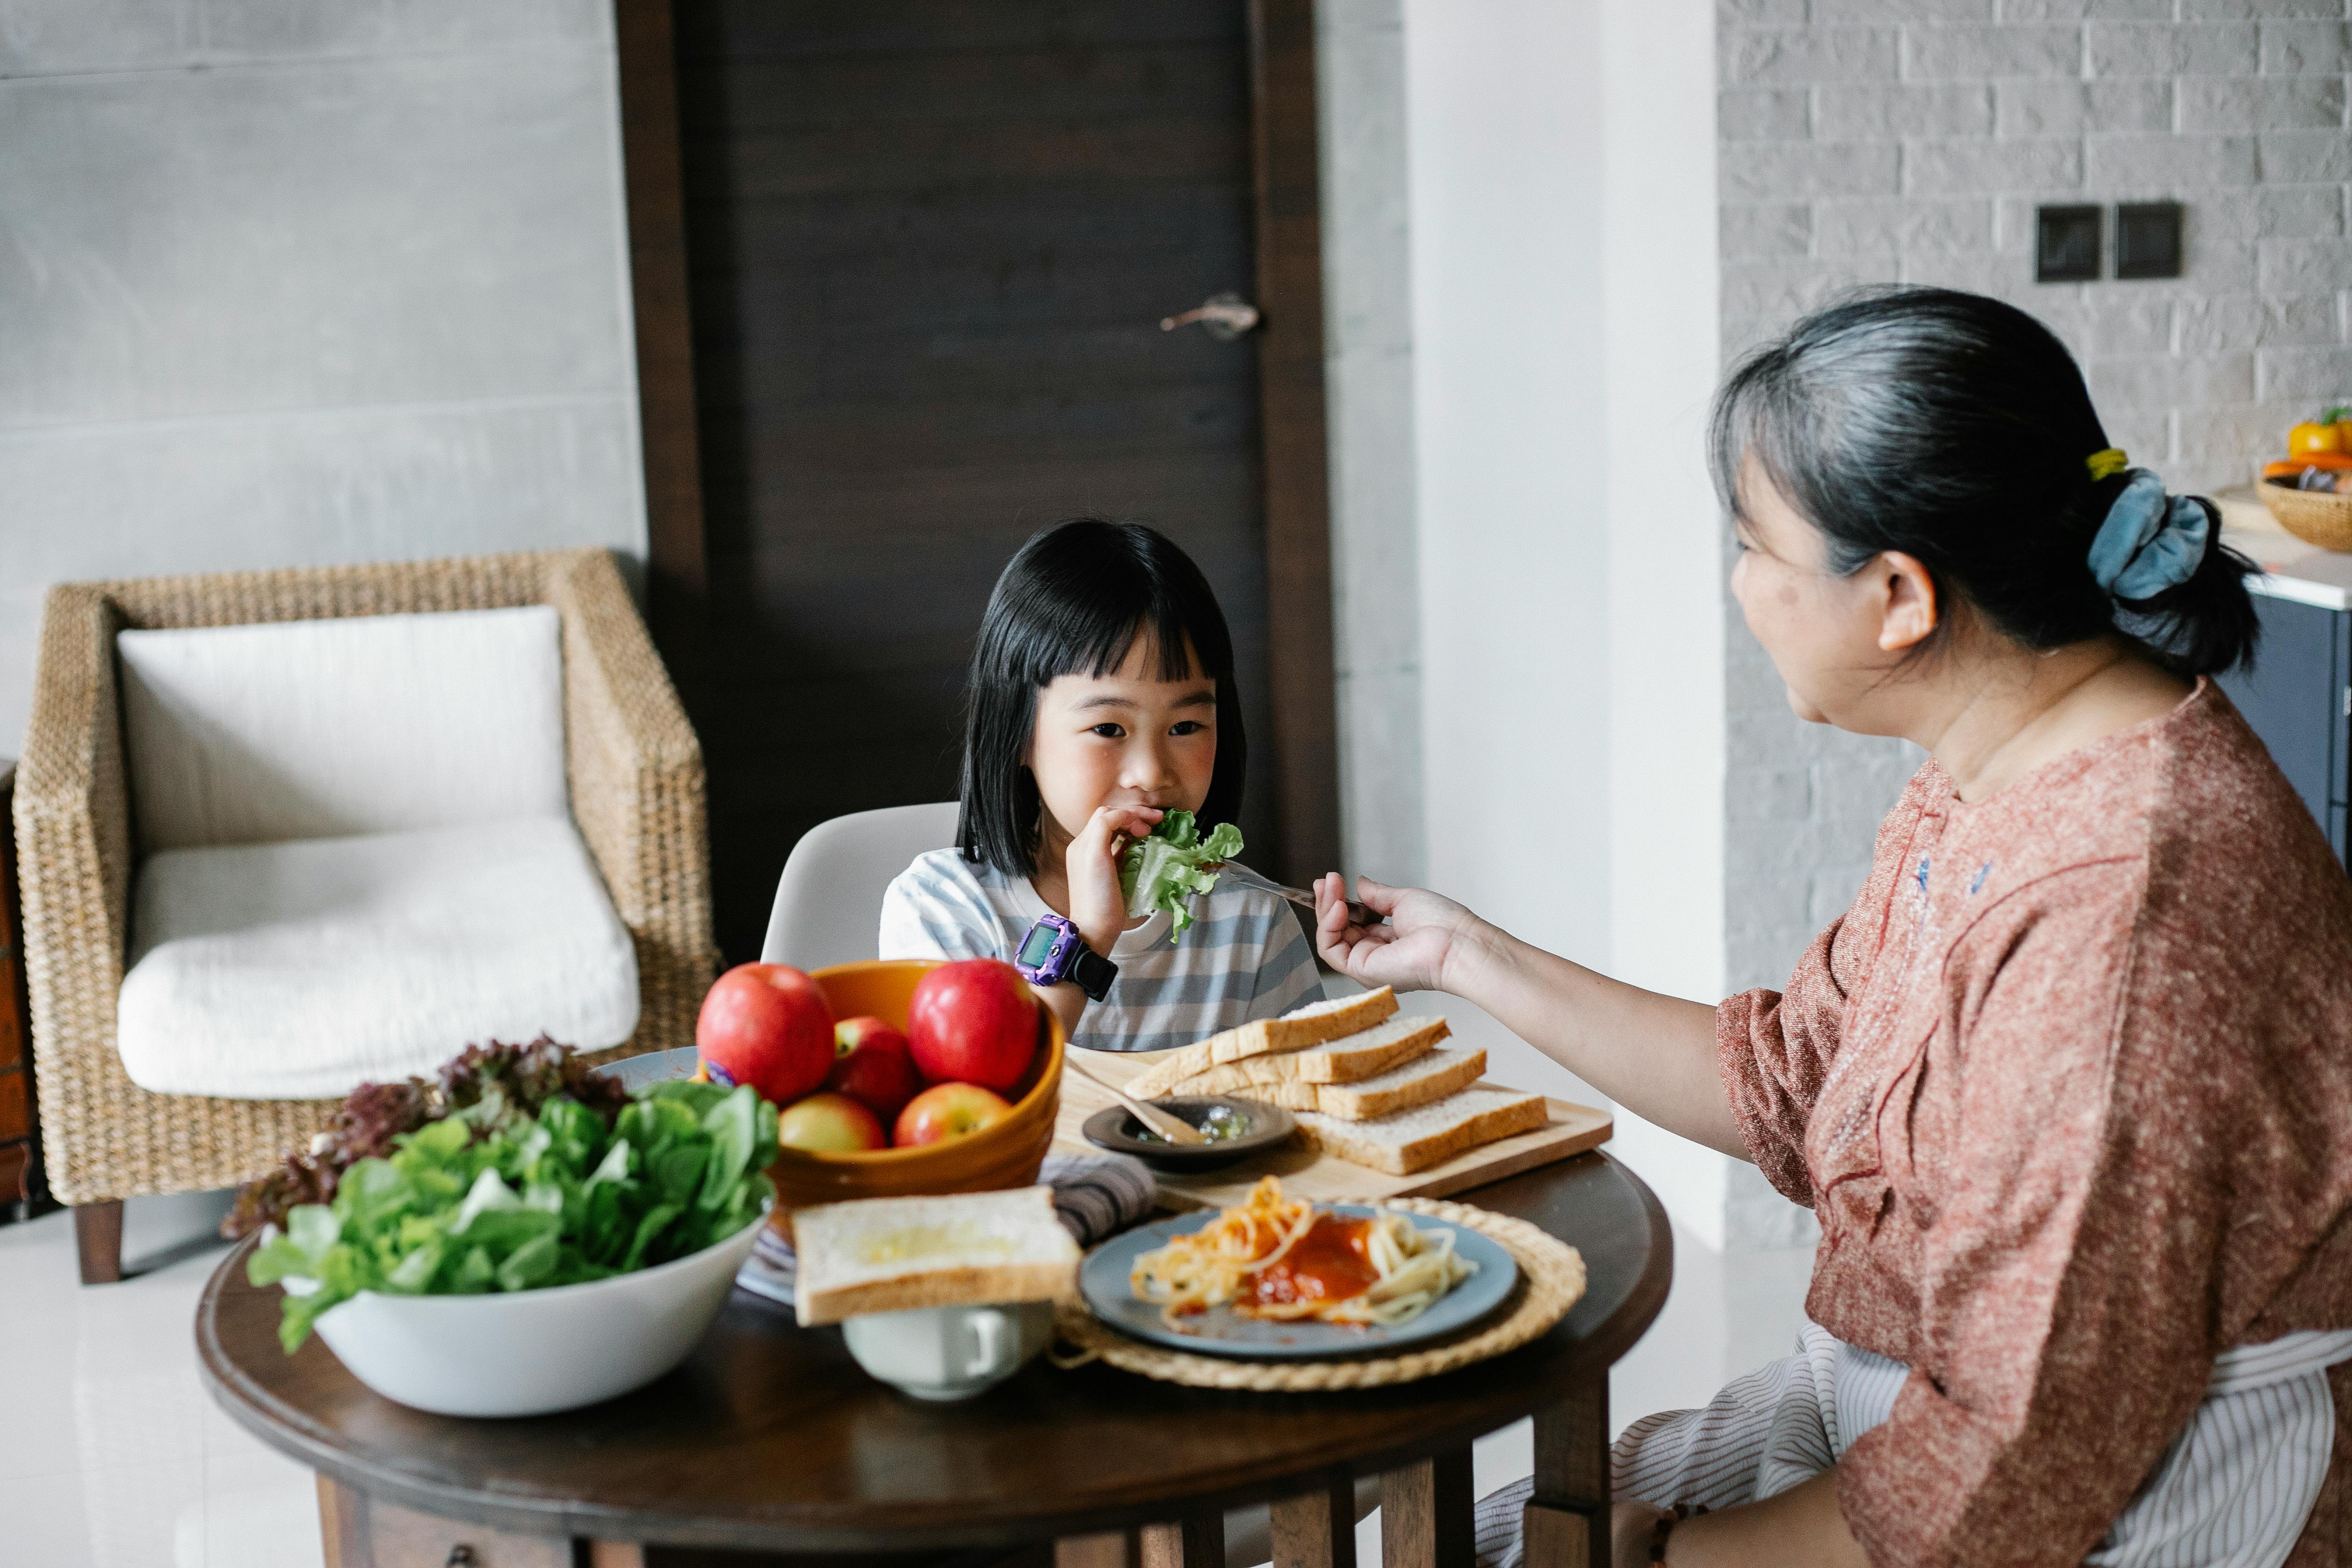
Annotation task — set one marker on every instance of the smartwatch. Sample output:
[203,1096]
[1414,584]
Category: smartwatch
[1054,951]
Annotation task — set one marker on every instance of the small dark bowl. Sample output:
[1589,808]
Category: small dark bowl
[1116,1129]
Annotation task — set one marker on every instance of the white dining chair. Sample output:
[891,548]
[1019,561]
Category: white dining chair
[828,905]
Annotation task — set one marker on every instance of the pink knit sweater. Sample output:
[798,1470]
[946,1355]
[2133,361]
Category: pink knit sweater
[2069,1088]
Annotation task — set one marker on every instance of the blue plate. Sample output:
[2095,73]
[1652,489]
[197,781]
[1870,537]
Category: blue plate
[653,1067]
[1221,1331]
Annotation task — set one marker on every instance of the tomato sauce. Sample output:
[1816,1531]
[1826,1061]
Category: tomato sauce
[1328,1265]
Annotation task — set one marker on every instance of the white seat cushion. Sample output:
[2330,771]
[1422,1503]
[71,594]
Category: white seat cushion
[255,734]
[297,971]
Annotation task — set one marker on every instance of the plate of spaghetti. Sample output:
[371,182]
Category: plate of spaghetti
[1274,1277]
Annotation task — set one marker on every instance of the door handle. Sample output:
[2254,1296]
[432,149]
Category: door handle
[1223,316]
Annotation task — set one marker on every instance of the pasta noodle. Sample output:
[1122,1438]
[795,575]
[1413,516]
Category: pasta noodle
[1279,1259]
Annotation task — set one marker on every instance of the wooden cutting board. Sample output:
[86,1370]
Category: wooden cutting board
[1326,1178]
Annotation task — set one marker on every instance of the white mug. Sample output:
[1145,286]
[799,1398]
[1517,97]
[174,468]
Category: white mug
[949,1353]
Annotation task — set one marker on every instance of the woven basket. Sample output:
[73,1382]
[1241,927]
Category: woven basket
[1551,1279]
[2316,517]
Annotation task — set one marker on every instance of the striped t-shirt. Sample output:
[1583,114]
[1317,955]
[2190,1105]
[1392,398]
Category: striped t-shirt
[1244,957]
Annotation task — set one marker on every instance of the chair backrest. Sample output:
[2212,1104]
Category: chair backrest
[829,900]
[316,729]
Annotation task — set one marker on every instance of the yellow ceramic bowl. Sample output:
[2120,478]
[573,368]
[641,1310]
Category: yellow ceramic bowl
[1006,1154]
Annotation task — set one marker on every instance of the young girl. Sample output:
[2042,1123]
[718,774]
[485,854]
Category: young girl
[1101,699]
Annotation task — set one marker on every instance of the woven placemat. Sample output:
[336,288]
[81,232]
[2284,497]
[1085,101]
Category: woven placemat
[1552,1279]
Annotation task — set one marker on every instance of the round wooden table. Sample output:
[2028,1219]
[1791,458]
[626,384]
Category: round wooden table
[770,1439]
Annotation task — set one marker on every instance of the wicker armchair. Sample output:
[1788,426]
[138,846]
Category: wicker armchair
[636,777]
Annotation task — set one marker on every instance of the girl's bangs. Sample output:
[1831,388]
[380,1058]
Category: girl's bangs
[1103,637]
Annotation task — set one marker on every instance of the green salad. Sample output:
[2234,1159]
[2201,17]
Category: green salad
[519,1191]
[1164,871]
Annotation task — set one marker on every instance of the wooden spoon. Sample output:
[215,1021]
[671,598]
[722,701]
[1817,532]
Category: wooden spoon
[1173,1129]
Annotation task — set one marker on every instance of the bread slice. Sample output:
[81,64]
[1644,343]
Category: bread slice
[1314,1025]
[888,1255]
[1358,1056]
[1426,1135]
[1432,1076]
[1422,1081]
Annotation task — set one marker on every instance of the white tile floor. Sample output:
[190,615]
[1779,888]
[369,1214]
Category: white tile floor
[112,1456]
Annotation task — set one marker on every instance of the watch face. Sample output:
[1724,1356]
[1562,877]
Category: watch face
[1037,946]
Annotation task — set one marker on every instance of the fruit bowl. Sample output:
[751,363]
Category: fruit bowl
[1007,1153]
[2316,517]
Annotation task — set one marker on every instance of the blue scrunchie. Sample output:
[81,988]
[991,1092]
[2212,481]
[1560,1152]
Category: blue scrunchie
[2150,541]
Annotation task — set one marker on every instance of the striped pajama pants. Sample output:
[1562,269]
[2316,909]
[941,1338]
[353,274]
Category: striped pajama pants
[2232,1491]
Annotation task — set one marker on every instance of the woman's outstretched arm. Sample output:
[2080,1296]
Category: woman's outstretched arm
[1653,1055]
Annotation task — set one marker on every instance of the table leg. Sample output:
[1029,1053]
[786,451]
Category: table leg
[1567,1518]
[1317,1529]
[1425,1514]
[360,1531]
[331,1524]
[1109,1550]
[1197,1540]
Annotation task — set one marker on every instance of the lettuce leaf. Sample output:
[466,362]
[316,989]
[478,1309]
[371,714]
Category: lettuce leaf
[1164,871]
[517,1192]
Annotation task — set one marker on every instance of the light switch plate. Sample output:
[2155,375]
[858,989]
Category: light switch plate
[2066,244]
[2147,239]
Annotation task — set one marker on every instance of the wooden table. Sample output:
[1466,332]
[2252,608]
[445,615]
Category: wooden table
[770,1440]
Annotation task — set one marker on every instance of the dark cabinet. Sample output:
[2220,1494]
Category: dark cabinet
[2299,700]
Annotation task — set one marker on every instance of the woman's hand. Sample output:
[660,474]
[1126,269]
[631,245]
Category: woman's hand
[1097,907]
[1424,932]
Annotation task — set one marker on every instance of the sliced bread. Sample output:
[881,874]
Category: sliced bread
[887,1255]
[1426,1135]
[1316,1024]
[1358,1056]
[1431,1076]
[1421,1081]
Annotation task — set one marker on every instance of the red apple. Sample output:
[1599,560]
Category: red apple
[766,1025]
[833,1122]
[973,1021]
[871,1064]
[947,1111]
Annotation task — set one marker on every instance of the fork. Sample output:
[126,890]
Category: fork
[1361,914]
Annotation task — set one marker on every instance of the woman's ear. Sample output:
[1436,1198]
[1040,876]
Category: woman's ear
[1909,615]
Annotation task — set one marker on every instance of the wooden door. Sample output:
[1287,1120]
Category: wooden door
[927,246]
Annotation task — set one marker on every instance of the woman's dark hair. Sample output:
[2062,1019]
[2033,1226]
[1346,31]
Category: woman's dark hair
[1073,601]
[1956,429]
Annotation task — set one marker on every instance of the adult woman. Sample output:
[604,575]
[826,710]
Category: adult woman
[2066,1086]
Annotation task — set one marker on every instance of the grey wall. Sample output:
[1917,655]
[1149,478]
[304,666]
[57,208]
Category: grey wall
[1369,367]
[1867,140]
[297,281]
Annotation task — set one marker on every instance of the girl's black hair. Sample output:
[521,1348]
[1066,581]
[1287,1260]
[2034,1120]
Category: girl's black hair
[1073,601]
[1956,428]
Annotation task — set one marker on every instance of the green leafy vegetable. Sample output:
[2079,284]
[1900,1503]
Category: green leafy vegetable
[528,1077]
[1164,871]
[495,1196]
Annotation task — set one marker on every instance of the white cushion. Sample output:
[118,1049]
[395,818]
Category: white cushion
[296,971]
[324,729]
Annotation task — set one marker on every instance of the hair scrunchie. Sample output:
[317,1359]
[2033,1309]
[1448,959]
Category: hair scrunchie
[2151,540]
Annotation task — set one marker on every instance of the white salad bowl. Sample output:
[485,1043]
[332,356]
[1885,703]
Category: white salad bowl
[529,1353]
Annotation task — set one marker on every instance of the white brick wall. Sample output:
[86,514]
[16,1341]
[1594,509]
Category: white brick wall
[1877,140]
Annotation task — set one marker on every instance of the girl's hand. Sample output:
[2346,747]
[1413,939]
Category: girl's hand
[1423,934]
[1097,907]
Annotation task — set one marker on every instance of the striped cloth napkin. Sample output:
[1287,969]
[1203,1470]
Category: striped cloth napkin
[1095,1196]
